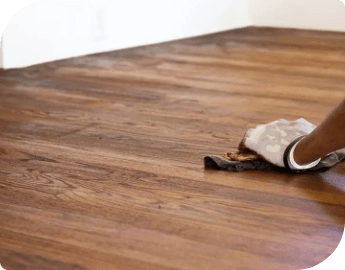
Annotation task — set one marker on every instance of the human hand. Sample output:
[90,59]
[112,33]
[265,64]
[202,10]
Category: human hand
[270,141]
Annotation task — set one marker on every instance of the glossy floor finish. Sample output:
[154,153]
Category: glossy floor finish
[101,157]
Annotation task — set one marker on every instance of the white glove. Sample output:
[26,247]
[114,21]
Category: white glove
[271,140]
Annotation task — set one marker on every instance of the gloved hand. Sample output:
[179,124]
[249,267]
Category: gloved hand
[271,144]
[270,141]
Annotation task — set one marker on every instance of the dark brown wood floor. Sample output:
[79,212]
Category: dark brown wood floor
[101,156]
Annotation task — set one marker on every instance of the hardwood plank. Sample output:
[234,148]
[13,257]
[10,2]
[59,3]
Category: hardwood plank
[101,156]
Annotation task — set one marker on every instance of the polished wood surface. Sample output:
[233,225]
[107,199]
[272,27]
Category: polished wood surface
[101,156]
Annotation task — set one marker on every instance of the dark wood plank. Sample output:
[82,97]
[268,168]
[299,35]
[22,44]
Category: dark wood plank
[101,156]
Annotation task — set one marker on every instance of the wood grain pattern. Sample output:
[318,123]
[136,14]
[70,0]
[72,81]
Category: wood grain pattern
[101,156]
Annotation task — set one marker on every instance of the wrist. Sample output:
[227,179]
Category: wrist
[300,166]
[312,147]
[304,152]
[289,160]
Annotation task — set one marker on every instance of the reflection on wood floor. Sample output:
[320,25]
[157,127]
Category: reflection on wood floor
[101,156]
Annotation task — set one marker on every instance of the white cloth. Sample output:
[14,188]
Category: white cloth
[271,140]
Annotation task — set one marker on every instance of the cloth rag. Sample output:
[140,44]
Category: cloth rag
[268,146]
[253,163]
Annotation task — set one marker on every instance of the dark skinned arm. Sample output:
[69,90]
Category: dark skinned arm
[326,138]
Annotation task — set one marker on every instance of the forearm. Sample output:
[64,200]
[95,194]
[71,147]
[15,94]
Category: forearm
[327,137]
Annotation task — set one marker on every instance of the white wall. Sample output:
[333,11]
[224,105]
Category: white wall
[57,29]
[305,14]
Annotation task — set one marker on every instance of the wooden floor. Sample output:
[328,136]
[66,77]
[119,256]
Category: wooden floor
[101,157]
